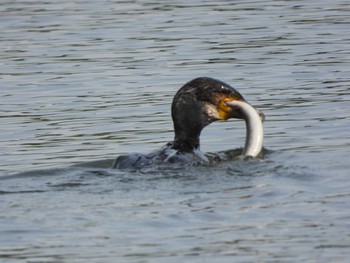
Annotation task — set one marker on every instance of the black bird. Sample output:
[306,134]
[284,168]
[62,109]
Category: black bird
[197,104]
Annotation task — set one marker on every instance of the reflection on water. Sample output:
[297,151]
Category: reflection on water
[83,82]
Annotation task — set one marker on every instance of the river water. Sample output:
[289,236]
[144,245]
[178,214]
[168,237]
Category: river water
[85,81]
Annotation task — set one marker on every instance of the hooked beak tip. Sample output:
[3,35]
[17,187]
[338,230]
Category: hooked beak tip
[262,115]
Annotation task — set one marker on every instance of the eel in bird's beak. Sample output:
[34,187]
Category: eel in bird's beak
[254,125]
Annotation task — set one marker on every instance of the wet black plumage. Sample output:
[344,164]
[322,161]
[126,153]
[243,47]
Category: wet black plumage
[196,104]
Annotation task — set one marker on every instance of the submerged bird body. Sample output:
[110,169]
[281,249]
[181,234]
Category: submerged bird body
[166,154]
[197,104]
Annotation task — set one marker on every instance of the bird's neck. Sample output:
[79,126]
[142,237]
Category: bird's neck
[186,141]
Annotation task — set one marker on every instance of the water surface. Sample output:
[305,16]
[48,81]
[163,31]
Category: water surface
[83,82]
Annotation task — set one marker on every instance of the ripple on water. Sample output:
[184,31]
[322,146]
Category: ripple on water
[82,82]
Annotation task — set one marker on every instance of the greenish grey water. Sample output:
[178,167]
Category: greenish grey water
[83,82]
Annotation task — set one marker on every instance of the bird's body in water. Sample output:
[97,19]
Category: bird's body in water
[197,104]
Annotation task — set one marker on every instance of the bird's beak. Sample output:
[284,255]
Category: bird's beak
[261,114]
[235,112]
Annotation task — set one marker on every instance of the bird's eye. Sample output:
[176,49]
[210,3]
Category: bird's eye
[230,92]
[225,90]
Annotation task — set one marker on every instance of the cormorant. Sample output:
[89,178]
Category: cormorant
[198,103]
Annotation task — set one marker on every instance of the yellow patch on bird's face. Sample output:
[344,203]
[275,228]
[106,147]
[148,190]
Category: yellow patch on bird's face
[224,110]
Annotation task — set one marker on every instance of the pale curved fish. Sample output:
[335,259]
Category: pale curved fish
[254,128]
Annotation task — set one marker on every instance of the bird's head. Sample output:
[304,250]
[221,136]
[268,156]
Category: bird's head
[199,103]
